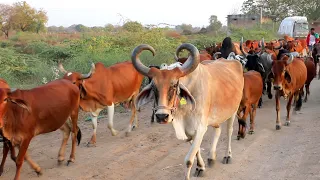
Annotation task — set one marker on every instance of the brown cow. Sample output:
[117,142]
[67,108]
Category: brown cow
[28,113]
[106,87]
[252,92]
[311,73]
[290,75]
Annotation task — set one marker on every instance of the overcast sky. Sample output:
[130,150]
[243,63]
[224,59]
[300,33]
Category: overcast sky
[101,12]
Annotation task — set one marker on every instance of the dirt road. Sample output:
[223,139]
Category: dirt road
[152,152]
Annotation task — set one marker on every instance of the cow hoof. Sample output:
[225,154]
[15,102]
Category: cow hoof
[238,137]
[305,100]
[114,132]
[90,144]
[39,173]
[199,172]
[226,160]
[278,127]
[211,162]
[270,96]
[69,161]
[134,126]
[60,162]
[287,123]
[1,171]
[251,132]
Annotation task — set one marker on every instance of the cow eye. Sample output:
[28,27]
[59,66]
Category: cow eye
[74,82]
[6,99]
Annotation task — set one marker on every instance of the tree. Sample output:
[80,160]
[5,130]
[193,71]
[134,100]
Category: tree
[5,19]
[214,23]
[132,26]
[81,28]
[109,27]
[26,18]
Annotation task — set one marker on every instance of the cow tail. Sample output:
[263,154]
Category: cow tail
[299,102]
[79,135]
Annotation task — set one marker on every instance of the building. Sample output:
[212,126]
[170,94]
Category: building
[316,25]
[245,21]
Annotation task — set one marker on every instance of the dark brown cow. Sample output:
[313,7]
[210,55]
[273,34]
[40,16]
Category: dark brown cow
[290,75]
[252,92]
[106,87]
[28,113]
[311,73]
[316,56]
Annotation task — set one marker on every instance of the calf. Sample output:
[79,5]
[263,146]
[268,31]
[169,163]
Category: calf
[290,75]
[252,92]
[28,113]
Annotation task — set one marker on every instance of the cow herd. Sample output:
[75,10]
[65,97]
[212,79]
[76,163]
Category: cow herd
[212,86]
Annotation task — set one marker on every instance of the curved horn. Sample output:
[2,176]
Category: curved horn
[290,59]
[241,48]
[141,68]
[216,55]
[262,47]
[176,57]
[259,44]
[193,60]
[61,68]
[92,70]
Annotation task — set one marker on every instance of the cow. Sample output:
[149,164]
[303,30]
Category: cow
[203,57]
[297,46]
[46,108]
[316,56]
[290,75]
[311,73]
[106,87]
[261,62]
[252,93]
[190,98]
[213,48]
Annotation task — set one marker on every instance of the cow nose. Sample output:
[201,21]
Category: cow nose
[162,117]
[277,87]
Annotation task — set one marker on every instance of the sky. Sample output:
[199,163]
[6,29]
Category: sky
[101,12]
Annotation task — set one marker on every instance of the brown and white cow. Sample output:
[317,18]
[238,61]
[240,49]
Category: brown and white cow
[199,85]
[290,75]
[252,92]
[25,114]
[106,87]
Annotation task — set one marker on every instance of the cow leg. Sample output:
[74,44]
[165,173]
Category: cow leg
[299,101]
[213,151]
[252,118]
[278,123]
[66,133]
[12,151]
[307,92]
[110,120]
[201,130]
[133,117]
[288,110]
[5,151]
[228,156]
[200,165]
[94,121]
[32,164]
[75,131]
[269,85]
[260,102]
[19,161]
[243,123]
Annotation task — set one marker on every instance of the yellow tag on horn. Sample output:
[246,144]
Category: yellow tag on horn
[183,101]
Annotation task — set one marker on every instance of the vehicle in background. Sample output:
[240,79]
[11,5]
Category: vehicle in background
[295,26]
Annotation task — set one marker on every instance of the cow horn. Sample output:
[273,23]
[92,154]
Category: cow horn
[176,57]
[92,70]
[193,60]
[61,68]
[215,55]
[241,48]
[262,47]
[141,68]
[290,59]
[12,89]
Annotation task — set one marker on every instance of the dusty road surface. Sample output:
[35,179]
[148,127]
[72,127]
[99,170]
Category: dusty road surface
[152,152]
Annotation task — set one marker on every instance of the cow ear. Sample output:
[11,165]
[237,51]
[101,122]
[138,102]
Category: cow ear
[144,96]
[184,93]
[21,103]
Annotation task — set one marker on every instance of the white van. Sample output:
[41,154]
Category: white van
[295,26]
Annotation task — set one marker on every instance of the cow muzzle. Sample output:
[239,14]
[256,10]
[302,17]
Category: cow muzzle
[162,118]
[277,87]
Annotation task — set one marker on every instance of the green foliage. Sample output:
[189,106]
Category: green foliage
[133,26]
